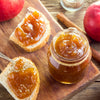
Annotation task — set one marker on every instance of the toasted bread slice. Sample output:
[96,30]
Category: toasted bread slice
[41,42]
[11,68]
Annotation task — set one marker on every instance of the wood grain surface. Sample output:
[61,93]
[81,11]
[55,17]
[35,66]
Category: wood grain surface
[49,88]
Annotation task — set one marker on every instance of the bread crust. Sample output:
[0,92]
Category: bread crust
[41,42]
[3,79]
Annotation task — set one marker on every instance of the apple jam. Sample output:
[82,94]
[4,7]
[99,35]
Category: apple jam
[22,81]
[32,29]
[69,55]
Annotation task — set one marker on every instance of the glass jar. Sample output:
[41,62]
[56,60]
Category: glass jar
[72,5]
[69,56]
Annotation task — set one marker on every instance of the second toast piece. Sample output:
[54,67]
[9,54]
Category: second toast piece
[21,79]
[32,32]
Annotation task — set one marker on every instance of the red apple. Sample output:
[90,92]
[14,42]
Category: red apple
[92,21]
[10,8]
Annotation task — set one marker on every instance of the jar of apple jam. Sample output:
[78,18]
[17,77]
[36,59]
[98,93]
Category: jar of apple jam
[69,56]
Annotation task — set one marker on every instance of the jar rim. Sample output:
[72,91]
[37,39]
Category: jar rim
[75,31]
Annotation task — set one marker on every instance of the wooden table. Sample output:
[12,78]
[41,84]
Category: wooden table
[93,91]
[53,6]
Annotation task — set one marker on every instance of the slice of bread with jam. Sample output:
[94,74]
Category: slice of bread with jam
[32,32]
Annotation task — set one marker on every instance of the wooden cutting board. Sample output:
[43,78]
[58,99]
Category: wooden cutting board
[49,88]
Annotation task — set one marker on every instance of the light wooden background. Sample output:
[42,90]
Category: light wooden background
[93,91]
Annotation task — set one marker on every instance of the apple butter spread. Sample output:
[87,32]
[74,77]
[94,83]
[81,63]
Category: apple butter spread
[70,46]
[22,81]
[68,56]
[32,29]
[19,64]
